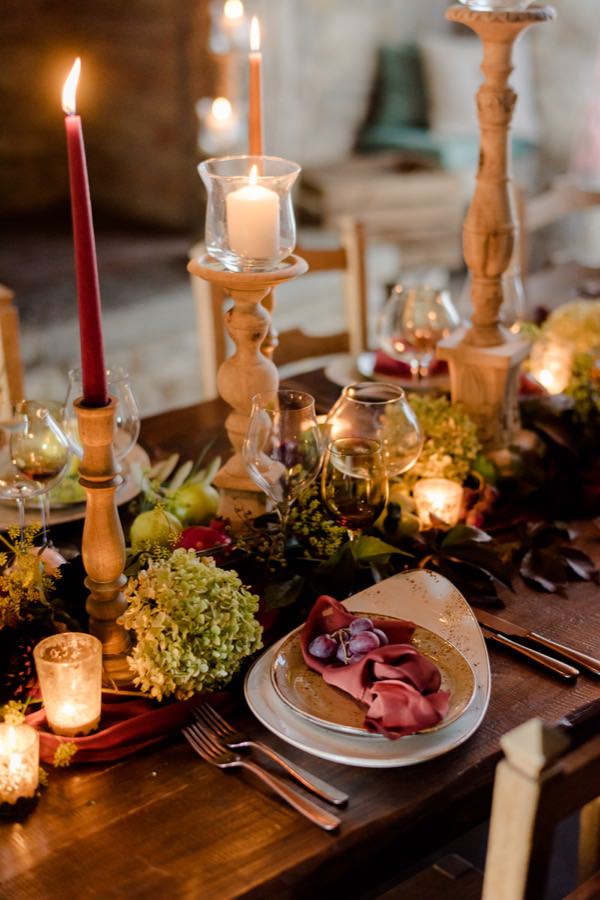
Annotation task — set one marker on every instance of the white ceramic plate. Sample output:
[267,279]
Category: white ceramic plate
[344,369]
[427,599]
[136,458]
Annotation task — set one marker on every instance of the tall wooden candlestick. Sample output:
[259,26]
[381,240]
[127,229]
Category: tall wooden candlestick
[484,361]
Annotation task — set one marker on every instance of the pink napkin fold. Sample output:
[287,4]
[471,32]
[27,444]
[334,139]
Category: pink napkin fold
[387,365]
[126,726]
[397,684]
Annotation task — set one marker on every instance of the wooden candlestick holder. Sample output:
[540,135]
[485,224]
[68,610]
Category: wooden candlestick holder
[248,371]
[484,360]
[103,544]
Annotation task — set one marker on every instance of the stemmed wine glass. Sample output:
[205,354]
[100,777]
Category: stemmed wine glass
[381,412]
[413,321]
[127,428]
[283,448]
[354,484]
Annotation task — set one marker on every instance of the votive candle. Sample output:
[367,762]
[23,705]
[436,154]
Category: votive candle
[69,668]
[19,762]
[438,497]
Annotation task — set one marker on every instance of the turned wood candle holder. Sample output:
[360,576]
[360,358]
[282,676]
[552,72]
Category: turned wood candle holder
[103,544]
[249,371]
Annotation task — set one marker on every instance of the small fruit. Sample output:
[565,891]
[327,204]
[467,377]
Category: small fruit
[156,527]
[361,623]
[323,647]
[194,503]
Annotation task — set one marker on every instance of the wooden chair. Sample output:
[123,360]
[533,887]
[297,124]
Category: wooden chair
[11,366]
[547,774]
[293,345]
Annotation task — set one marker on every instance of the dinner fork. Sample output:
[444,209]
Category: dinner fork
[207,746]
[237,740]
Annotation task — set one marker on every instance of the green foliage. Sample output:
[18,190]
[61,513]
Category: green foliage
[64,753]
[584,388]
[576,323]
[25,584]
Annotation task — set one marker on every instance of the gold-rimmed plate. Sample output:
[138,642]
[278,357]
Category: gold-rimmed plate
[306,693]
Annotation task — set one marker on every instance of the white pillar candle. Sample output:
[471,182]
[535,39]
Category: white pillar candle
[439,497]
[19,762]
[253,220]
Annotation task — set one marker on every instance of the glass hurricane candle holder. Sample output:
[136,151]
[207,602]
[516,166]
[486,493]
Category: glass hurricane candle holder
[69,668]
[438,497]
[250,223]
[19,764]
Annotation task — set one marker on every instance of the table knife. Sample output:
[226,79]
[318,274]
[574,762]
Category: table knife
[548,662]
[502,626]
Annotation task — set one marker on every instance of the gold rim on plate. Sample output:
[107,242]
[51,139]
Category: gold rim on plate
[304,691]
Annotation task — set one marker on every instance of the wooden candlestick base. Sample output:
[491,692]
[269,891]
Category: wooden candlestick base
[103,544]
[247,372]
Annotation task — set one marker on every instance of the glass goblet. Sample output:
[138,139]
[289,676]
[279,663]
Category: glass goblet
[282,449]
[381,412]
[413,321]
[354,484]
[127,428]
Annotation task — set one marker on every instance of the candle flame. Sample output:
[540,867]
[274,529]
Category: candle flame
[70,89]
[221,109]
[254,35]
[252,178]
[233,9]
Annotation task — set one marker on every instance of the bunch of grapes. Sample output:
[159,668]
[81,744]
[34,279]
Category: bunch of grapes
[484,504]
[348,645]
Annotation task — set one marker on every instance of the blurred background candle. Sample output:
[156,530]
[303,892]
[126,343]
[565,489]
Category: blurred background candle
[253,220]
[69,668]
[439,497]
[550,364]
[19,762]
[255,106]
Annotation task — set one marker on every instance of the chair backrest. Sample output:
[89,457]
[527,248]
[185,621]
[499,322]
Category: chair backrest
[293,345]
[543,778]
[11,365]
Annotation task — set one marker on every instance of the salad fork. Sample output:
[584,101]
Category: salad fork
[207,746]
[237,740]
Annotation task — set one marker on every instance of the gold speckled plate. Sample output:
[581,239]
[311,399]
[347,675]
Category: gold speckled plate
[305,692]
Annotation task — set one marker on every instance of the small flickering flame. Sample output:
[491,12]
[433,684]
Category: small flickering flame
[70,89]
[252,178]
[221,109]
[254,35]
[233,9]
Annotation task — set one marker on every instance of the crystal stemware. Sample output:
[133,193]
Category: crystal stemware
[413,321]
[127,420]
[381,412]
[354,484]
[283,447]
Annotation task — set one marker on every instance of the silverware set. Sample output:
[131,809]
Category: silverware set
[215,741]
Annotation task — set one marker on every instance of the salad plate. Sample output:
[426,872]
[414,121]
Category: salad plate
[432,602]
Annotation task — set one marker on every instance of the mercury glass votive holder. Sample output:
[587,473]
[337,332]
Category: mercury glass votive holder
[19,764]
[250,224]
[438,497]
[69,668]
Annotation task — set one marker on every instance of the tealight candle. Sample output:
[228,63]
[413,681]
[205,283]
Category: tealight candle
[19,763]
[550,364]
[69,668]
[253,220]
[439,497]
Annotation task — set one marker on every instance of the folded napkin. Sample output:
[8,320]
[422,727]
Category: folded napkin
[386,365]
[397,684]
[126,726]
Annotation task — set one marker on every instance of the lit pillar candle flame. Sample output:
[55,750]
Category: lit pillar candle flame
[255,108]
[69,91]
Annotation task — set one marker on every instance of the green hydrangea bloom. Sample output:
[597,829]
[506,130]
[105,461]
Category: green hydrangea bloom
[194,624]
[576,323]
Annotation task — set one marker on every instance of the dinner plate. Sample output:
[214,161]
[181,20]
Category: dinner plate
[345,369]
[308,695]
[137,459]
[429,600]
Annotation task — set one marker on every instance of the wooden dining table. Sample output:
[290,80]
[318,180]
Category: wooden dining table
[164,824]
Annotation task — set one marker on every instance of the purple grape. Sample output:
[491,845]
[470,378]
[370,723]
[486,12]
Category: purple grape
[383,638]
[363,642]
[323,647]
[356,657]
[342,653]
[360,624]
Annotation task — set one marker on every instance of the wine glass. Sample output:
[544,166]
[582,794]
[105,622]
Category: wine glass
[413,321]
[39,451]
[379,411]
[14,486]
[283,447]
[354,484]
[127,418]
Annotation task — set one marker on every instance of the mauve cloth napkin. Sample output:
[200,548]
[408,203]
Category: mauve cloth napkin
[386,365]
[398,685]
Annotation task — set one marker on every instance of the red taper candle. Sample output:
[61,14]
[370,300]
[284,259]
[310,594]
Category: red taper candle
[93,369]
[255,105]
